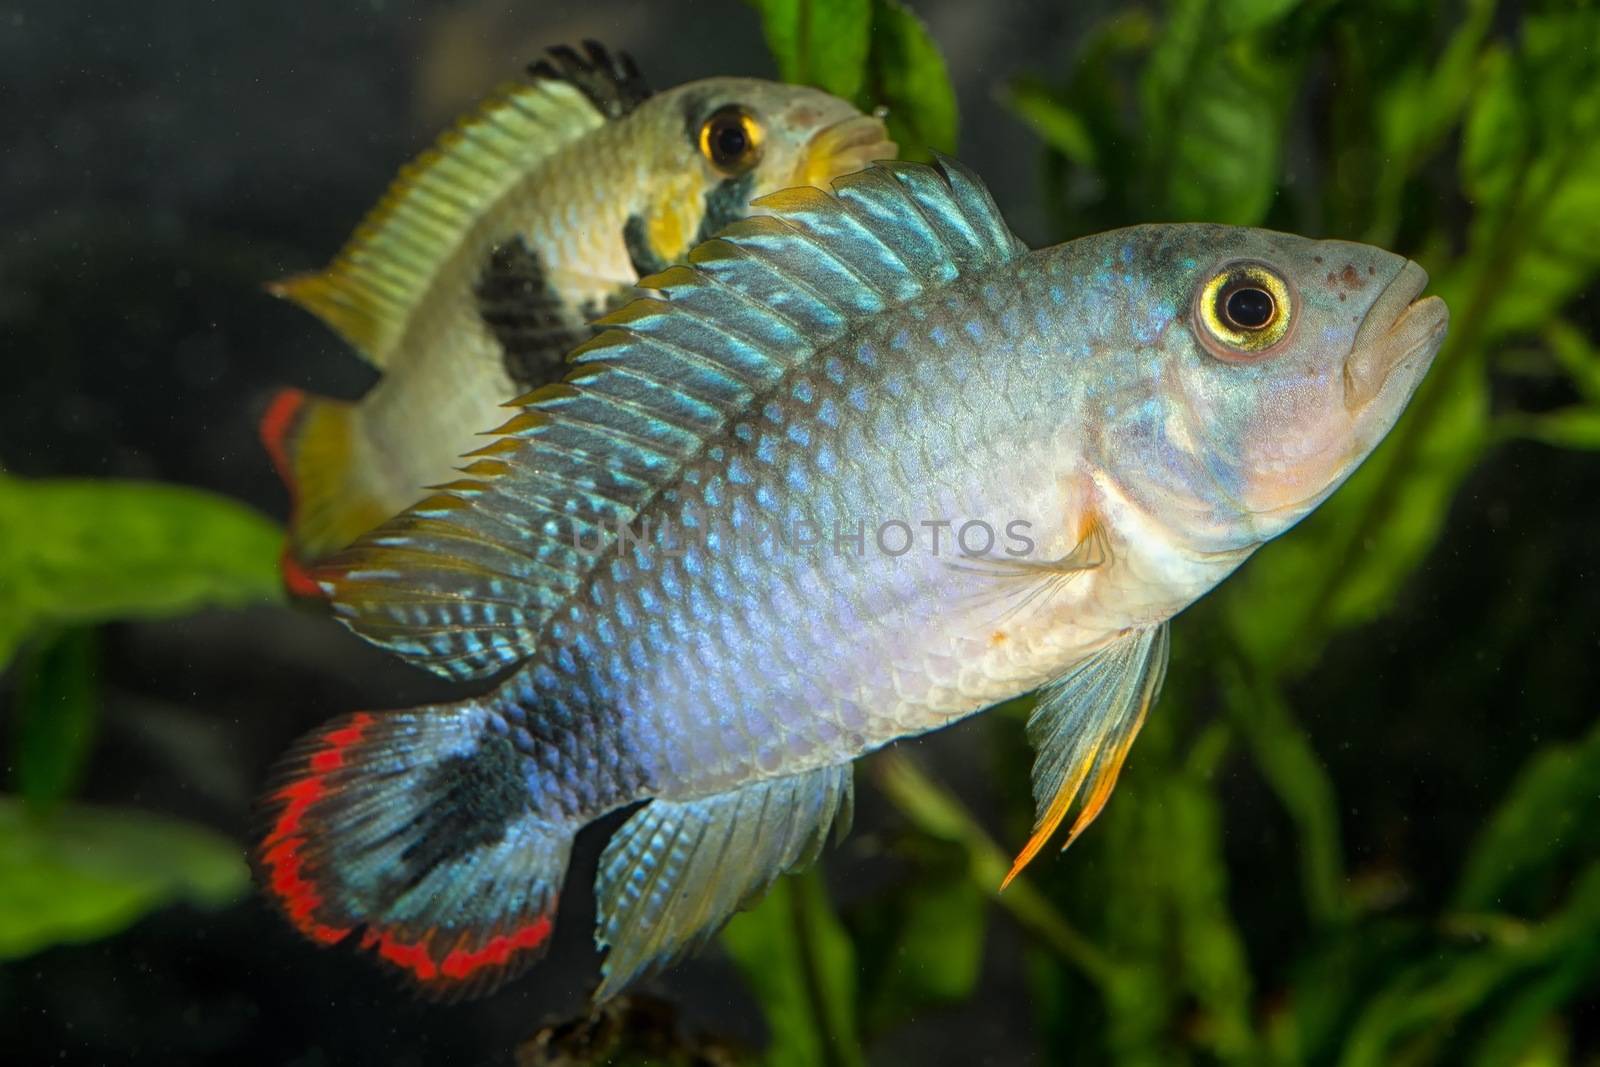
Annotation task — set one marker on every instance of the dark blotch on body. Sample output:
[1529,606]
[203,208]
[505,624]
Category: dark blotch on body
[640,254]
[725,204]
[525,315]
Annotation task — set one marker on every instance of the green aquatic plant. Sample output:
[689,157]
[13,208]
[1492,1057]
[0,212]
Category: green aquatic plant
[74,554]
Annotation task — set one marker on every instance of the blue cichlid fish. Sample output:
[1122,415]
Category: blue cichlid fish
[481,266]
[868,467]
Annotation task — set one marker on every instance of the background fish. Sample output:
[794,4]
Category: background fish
[1130,415]
[477,271]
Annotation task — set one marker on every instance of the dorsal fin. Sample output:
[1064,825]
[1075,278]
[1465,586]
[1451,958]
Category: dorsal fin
[611,82]
[463,582]
[371,288]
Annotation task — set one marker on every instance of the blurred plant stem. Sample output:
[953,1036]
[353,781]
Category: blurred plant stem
[1257,708]
[939,813]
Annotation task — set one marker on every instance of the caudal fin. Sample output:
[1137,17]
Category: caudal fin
[315,445]
[419,830]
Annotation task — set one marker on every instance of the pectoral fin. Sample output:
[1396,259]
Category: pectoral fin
[1082,728]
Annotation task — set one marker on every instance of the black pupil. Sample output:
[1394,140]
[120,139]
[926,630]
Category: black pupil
[730,140]
[1249,308]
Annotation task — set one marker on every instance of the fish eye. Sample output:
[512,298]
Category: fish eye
[730,138]
[1243,310]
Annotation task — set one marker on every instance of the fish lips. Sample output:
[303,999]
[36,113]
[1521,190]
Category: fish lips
[850,145]
[1397,340]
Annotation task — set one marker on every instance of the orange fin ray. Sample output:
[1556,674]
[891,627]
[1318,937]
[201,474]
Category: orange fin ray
[1083,727]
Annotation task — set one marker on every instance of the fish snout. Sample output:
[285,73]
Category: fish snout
[844,147]
[1401,333]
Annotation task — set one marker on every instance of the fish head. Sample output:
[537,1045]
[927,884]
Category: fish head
[705,150]
[1286,361]
[776,136]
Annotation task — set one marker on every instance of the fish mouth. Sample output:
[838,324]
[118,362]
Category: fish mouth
[844,147]
[1401,333]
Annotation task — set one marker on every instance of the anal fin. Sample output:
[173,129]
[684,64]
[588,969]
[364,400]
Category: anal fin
[1082,729]
[678,869]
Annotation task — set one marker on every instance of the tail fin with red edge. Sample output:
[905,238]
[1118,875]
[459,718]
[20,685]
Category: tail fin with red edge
[318,449]
[421,835]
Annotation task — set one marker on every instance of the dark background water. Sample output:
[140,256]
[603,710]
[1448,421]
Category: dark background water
[159,161]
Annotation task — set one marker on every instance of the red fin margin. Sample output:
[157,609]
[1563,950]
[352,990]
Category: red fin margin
[277,423]
[461,965]
[300,863]
[281,858]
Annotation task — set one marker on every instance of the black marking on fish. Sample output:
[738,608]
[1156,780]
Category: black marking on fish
[471,801]
[611,81]
[726,203]
[644,258]
[525,314]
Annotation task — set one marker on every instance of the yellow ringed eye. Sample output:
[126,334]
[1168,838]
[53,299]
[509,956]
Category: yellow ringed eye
[730,139]
[1244,310]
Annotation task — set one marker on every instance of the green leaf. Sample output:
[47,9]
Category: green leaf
[800,962]
[936,948]
[1530,160]
[1578,356]
[77,551]
[1575,427]
[819,42]
[1521,1032]
[1164,887]
[910,79]
[935,811]
[1214,108]
[1244,16]
[84,873]
[1430,994]
[1551,811]
[1291,767]
[1416,108]
[1057,124]
[55,710]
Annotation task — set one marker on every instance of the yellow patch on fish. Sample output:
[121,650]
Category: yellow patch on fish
[674,218]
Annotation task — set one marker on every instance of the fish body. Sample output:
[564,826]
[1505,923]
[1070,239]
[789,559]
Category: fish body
[747,590]
[478,271]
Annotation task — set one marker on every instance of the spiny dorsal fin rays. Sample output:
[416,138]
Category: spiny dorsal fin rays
[1082,729]
[659,386]
[611,81]
[373,285]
